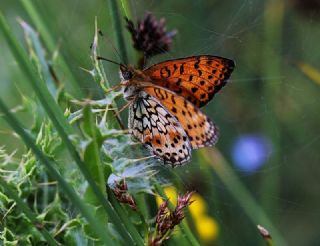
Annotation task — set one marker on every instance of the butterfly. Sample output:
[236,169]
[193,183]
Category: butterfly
[165,101]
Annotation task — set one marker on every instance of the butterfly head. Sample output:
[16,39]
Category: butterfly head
[126,72]
[130,81]
[132,74]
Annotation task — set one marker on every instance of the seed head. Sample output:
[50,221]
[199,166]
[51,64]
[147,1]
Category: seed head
[166,220]
[121,193]
[150,36]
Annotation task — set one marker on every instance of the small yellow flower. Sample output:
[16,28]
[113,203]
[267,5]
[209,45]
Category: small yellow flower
[310,71]
[198,207]
[170,193]
[207,228]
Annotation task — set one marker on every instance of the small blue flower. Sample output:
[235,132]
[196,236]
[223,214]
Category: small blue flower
[251,151]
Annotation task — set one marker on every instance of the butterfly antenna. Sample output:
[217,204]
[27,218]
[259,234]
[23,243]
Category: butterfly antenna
[110,42]
[122,66]
[108,60]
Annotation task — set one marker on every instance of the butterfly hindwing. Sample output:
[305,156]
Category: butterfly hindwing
[158,129]
[196,78]
[201,131]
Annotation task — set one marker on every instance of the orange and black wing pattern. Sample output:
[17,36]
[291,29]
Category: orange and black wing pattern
[196,78]
[201,131]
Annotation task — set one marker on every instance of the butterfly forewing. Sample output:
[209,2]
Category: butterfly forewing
[158,129]
[196,78]
[201,131]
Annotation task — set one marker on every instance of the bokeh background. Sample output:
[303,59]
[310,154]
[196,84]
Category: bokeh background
[268,113]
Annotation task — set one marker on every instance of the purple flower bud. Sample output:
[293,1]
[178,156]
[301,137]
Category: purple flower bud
[150,35]
[251,151]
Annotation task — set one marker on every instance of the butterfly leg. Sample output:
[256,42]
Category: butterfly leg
[113,88]
[125,106]
[117,113]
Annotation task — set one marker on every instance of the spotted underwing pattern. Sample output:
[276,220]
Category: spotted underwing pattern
[158,130]
[201,131]
[165,99]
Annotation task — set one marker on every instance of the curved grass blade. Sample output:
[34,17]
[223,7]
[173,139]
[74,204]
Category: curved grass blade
[36,48]
[48,41]
[33,80]
[115,15]
[274,19]
[239,192]
[122,214]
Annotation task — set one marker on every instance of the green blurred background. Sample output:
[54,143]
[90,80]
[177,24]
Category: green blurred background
[273,96]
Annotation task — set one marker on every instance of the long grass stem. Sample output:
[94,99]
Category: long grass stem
[116,18]
[239,192]
[51,45]
[272,94]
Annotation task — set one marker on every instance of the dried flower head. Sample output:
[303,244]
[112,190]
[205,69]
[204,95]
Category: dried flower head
[150,36]
[121,193]
[183,201]
[162,212]
[166,220]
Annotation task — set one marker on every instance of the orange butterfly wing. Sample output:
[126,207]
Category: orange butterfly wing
[200,130]
[196,78]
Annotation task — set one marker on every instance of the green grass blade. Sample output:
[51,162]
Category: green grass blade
[123,215]
[239,192]
[91,156]
[27,211]
[92,151]
[38,54]
[76,200]
[33,80]
[126,8]
[115,15]
[272,93]
[51,45]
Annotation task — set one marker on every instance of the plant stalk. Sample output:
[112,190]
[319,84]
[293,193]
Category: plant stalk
[115,15]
